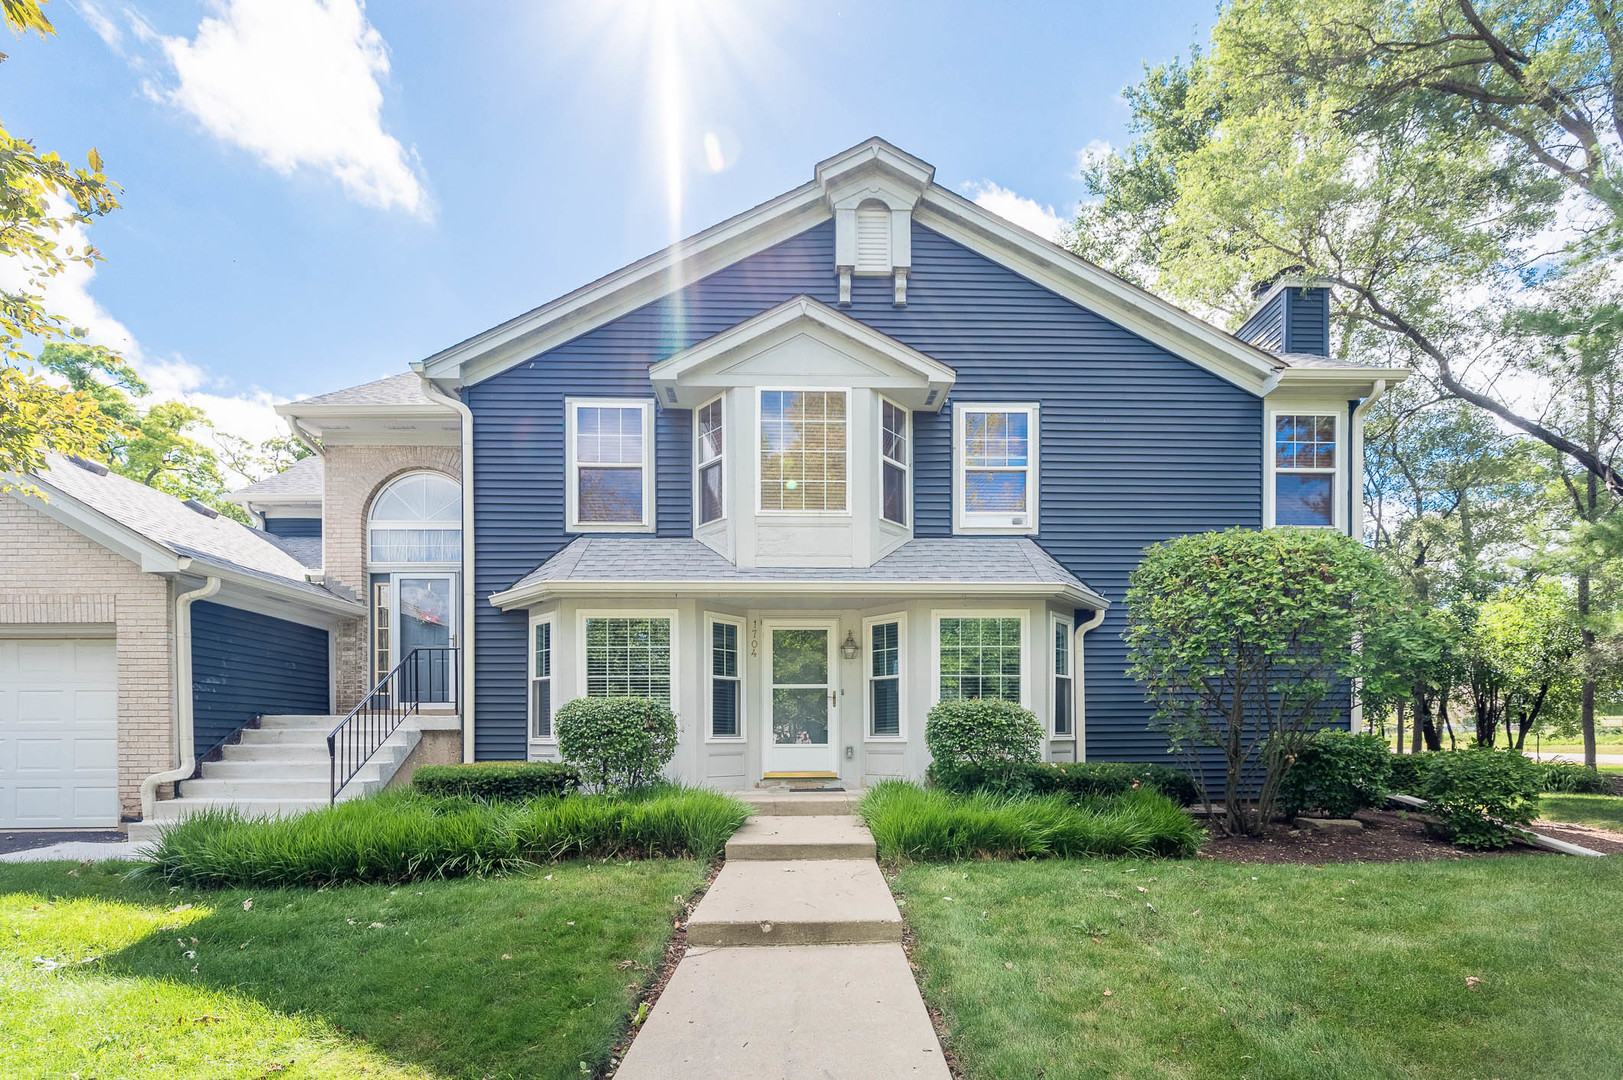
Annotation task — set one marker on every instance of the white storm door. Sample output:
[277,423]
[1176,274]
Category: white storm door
[801,706]
[58,733]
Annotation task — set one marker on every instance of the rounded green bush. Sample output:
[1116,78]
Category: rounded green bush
[617,743]
[1482,797]
[1339,772]
[998,735]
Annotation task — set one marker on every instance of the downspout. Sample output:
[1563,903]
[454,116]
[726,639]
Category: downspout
[1097,617]
[183,696]
[434,393]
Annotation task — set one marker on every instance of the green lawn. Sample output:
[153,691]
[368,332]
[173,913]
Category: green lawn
[1601,811]
[515,977]
[1209,969]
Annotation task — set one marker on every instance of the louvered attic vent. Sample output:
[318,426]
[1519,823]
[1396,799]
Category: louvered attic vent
[873,239]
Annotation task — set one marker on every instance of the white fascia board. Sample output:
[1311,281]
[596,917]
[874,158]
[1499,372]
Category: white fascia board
[237,593]
[150,555]
[282,498]
[1100,291]
[829,172]
[823,322]
[405,410]
[325,603]
[543,591]
[1349,382]
[627,289]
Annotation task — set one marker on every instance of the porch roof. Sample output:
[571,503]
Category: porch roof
[988,565]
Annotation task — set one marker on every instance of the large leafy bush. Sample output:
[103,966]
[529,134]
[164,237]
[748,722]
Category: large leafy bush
[995,735]
[1409,772]
[1338,772]
[1482,797]
[497,781]
[1244,643]
[617,743]
[1076,780]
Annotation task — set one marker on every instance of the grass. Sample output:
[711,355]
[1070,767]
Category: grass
[1345,972]
[1601,811]
[517,977]
[403,836]
[912,823]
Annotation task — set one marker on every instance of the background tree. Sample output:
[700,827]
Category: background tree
[1525,667]
[40,196]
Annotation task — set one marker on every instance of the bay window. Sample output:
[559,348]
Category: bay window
[979,657]
[894,450]
[708,460]
[726,694]
[628,657]
[1064,692]
[884,677]
[804,449]
[541,678]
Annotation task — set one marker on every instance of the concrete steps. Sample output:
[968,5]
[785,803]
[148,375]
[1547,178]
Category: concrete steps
[802,902]
[802,803]
[805,836]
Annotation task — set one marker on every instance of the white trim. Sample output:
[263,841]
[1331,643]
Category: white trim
[706,650]
[541,591]
[937,614]
[769,745]
[997,524]
[759,449]
[572,523]
[551,619]
[700,462]
[465,460]
[1338,475]
[902,643]
[1064,623]
[905,466]
[584,615]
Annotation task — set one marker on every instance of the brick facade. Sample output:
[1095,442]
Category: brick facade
[51,575]
[353,477]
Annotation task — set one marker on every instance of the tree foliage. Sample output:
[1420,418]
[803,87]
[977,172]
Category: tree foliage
[1244,641]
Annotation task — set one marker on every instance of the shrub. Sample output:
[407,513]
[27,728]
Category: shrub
[1409,772]
[1569,777]
[1482,795]
[401,836]
[1338,772]
[912,823]
[498,781]
[1075,780]
[617,743]
[994,735]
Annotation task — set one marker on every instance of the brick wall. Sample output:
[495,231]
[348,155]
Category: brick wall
[51,575]
[353,476]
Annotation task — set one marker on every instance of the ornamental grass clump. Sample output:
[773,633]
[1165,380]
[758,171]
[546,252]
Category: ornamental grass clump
[910,823]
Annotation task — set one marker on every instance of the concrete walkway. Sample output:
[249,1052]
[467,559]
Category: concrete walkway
[794,967]
[78,851]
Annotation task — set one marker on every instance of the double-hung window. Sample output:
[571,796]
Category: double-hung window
[541,678]
[995,468]
[1305,469]
[708,459]
[804,448]
[894,449]
[726,690]
[885,677]
[628,657]
[979,658]
[1064,691]
[611,466]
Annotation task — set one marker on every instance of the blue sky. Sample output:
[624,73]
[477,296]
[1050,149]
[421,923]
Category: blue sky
[316,194]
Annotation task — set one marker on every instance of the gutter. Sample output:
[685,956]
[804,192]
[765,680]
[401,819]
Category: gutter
[1355,489]
[1079,675]
[183,696]
[434,393]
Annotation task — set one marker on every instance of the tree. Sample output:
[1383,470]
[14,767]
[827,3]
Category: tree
[1241,639]
[1414,153]
[40,196]
[1524,667]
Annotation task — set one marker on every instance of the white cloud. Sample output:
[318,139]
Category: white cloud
[1029,214]
[1093,153]
[297,83]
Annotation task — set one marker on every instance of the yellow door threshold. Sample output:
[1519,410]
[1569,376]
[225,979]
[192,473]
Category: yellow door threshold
[800,776]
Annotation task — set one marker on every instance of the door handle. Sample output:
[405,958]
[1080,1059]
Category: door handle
[833,698]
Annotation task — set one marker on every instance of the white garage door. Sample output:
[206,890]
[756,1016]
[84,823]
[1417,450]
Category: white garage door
[58,733]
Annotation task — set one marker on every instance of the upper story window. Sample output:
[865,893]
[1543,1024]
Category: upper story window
[1305,469]
[708,459]
[804,447]
[610,466]
[995,468]
[894,448]
[417,519]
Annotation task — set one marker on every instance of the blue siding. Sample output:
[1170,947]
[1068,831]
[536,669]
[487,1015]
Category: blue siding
[1266,327]
[295,527]
[1136,444]
[245,664]
[1309,321]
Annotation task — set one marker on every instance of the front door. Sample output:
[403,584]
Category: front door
[802,698]
[426,620]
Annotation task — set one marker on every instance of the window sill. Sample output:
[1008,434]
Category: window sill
[892,740]
[1062,738]
[593,527]
[963,529]
[735,741]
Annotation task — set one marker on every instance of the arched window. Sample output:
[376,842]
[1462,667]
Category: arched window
[417,519]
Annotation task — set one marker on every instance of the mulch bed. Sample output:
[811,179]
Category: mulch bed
[1387,836]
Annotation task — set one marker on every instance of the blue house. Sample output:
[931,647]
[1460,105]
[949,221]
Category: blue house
[859,449]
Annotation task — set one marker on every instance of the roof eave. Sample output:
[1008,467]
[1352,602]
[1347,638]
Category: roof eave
[523,596]
[1355,381]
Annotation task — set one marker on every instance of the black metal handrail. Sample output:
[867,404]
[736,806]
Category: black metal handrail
[426,676]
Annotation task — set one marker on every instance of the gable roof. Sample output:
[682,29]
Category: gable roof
[165,535]
[1055,268]
[299,482]
[963,565]
[392,391]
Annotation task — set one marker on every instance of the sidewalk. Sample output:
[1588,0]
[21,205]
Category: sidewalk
[795,968]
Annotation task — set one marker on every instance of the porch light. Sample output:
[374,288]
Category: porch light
[850,648]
